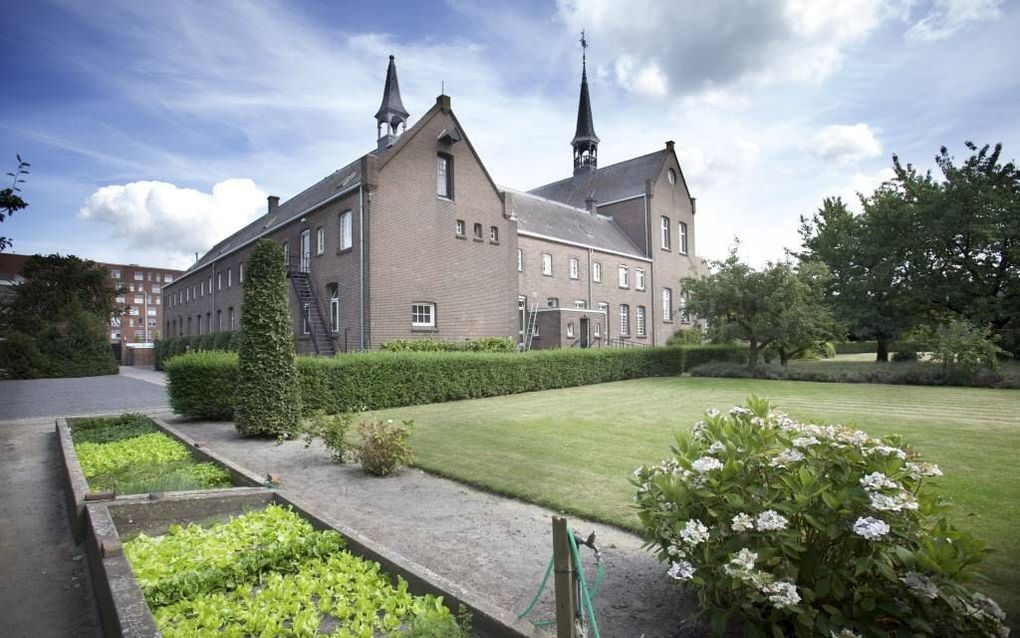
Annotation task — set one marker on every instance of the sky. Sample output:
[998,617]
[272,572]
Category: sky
[154,129]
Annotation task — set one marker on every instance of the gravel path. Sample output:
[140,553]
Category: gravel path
[35,398]
[494,546]
[45,589]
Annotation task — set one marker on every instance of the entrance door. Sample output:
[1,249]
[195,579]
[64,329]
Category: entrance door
[585,334]
[306,251]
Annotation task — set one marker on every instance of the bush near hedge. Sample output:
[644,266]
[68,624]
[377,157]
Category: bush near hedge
[225,341]
[896,373]
[203,384]
[75,347]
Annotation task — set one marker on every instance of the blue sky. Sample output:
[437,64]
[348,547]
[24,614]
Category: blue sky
[156,128]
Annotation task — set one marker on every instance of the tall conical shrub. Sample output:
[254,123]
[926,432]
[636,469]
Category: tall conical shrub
[268,395]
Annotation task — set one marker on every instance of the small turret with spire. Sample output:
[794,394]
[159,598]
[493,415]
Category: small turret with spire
[391,117]
[585,142]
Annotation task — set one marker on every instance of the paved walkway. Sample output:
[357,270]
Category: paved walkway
[493,546]
[35,398]
[45,587]
[144,373]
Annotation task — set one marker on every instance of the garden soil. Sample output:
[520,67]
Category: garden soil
[495,547]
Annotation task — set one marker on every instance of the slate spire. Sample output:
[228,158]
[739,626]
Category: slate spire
[391,118]
[585,141]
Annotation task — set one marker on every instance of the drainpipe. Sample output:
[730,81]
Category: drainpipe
[361,259]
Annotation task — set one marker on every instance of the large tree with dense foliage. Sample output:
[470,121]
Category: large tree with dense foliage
[268,394]
[777,306]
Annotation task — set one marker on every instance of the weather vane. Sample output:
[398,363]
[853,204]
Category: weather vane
[584,48]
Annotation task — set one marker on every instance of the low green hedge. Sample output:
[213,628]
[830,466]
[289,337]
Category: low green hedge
[203,384]
[871,347]
[225,341]
[483,344]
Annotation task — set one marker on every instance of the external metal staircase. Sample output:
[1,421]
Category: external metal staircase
[308,302]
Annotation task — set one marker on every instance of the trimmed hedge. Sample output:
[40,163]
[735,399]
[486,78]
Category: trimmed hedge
[225,341]
[483,344]
[203,384]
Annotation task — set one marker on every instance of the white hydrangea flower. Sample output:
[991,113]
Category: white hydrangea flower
[638,471]
[920,585]
[805,441]
[740,411]
[706,464]
[886,450]
[681,570]
[712,413]
[759,422]
[770,520]
[675,551]
[694,532]
[742,522]
[845,633]
[717,447]
[917,470]
[877,481]
[781,594]
[990,608]
[897,503]
[744,559]
[871,528]
[786,457]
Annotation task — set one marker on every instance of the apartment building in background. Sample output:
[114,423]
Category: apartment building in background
[414,239]
[142,296]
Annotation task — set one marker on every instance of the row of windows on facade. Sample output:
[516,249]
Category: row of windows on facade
[574,268]
[667,305]
[141,276]
[479,232]
[156,288]
[666,235]
[177,326]
[344,239]
[151,300]
[195,291]
[135,311]
[117,322]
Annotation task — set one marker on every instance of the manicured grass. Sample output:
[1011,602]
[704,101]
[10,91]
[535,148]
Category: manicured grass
[574,449]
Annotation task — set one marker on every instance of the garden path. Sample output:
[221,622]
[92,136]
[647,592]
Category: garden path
[493,546]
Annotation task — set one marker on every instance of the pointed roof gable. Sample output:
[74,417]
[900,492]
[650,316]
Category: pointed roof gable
[391,103]
[585,131]
[608,184]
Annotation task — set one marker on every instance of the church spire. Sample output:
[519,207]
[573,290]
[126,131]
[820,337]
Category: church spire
[391,118]
[585,141]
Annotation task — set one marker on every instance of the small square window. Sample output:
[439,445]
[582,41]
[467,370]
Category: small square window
[494,234]
[423,315]
[461,228]
[478,232]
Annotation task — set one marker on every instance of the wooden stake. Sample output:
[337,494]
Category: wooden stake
[563,568]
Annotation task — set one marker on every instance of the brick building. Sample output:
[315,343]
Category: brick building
[414,239]
[143,294]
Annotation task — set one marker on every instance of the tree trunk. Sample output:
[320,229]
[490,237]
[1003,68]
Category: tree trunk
[883,351]
[752,354]
[784,357]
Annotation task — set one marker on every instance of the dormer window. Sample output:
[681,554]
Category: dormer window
[444,175]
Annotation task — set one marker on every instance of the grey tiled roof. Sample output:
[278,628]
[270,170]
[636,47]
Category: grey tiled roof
[285,212]
[553,219]
[617,181]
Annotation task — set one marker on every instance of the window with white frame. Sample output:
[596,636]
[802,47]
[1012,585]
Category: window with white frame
[151,312]
[639,321]
[305,324]
[139,299]
[664,232]
[624,277]
[230,277]
[494,234]
[230,317]
[119,299]
[580,304]
[552,302]
[346,236]
[423,315]
[131,323]
[115,322]
[461,228]
[168,278]
[139,276]
[667,304]
[240,272]
[444,175]
[478,232]
[320,240]
[115,273]
[596,272]
[685,315]
[286,255]
[219,281]
[639,278]
[520,260]
[334,308]
[574,268]
[547,264]
[596,328]
[624,320]
[570,330]
[683,237]
[134,311]
[201,288]
[210,285]
[604,307]
[156,288]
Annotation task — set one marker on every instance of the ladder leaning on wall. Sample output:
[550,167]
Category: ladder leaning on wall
[529,330]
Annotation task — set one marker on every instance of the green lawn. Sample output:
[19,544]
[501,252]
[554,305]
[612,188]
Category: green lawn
[574,449]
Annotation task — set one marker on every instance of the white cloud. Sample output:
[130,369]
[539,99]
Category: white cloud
[845,144]
[860,184]
[949,16]
[172,223]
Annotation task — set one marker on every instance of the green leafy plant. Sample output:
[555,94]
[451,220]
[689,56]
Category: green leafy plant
[483,344]
[332,430]
[268,395]
[809,530]
[957,343]
[440,624]
[384,446]
[106,430]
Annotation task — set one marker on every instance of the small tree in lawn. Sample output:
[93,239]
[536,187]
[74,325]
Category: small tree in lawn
[268,395]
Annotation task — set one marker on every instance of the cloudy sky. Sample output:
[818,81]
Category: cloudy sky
[156,128]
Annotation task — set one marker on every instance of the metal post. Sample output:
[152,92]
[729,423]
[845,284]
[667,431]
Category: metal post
[565,586]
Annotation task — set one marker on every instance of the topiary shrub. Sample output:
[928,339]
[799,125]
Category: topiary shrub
[805,530]
[483,344]
[268,392]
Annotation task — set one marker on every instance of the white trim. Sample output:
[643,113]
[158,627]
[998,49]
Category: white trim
[561,308]
[557,240]
[617,201]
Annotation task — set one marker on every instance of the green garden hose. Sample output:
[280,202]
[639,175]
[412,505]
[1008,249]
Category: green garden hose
[587,594]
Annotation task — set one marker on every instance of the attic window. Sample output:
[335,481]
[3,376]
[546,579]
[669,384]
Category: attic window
[347,180]
[449,137]
[671,176]
[269,222]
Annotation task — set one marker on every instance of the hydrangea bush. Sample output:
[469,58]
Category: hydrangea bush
[808,530]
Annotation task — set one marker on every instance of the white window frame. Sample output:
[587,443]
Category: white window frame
[479,231]
[665,238]
[346,231]
[230,277]
[139,276]
[667,305]
[575,268]
[444,176]
[219,281]
[682,230]
[461,228]
[168,278]
[623,277]
[639,278]
[320,240]
[547,264]
[570,330]
[494,234]
[624,315]
[240,272]
[139,299]
[520,260]
[639,322]
[580,304]
[115,273]
[596,272]
[306,327]
[423,314]
[334,308]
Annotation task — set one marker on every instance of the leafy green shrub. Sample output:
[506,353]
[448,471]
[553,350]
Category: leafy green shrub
[332,430]
[268,394]
[439,624]
[384,446]
[693,336]
[221,340]
[483,344]
[810,531]
[962,345]
[904,355]
[106,429]
[871,347]
[202,384]
[20,358]
[77,347]
[99,459]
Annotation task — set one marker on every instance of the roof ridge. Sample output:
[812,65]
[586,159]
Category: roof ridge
[599,170]
[546,199]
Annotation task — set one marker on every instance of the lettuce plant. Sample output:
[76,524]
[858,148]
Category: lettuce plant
[807,530]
